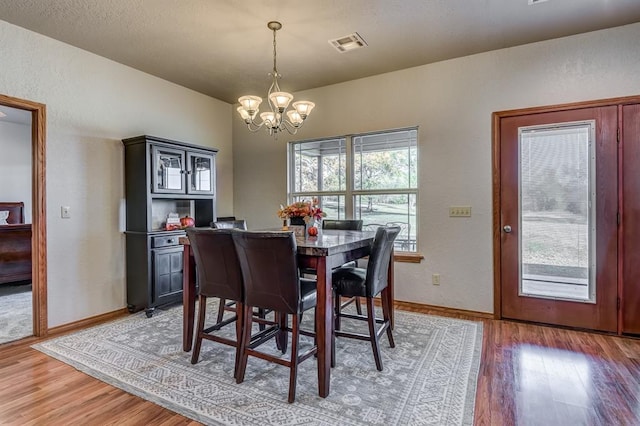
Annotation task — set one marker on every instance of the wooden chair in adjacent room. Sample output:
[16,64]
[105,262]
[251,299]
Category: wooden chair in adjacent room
[272,281]
[350,281]
[219,275]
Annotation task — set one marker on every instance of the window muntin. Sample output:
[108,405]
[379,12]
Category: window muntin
[385,161]
[382,168]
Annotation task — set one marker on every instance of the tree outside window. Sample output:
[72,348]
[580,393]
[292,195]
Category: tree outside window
[372,177]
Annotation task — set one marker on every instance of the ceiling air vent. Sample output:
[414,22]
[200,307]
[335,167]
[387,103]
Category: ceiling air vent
[532,2]
[349,42]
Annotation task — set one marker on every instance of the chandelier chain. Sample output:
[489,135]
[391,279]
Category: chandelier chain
[275,69]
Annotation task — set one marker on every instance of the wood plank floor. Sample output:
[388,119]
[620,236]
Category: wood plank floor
[529,375]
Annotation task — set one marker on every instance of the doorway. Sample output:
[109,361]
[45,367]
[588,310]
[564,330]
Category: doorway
[559,240]
[38,209]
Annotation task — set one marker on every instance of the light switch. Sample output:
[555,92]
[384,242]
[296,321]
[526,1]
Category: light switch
[460,211]
[65,212]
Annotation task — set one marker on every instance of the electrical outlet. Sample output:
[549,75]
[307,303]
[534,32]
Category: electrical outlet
[65,212]
[460,211]
[435,279]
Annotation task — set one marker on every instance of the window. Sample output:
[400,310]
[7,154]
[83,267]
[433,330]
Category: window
[373,177]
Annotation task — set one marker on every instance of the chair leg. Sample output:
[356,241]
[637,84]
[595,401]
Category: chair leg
[201,314]
[358,306]
[223,302]
[293,373]
[373,336]
[247,315]
[261,314]
[240,320]
[281,337]
[387,317]
[336,310]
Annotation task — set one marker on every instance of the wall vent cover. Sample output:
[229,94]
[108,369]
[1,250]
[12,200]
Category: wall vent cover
[348,43]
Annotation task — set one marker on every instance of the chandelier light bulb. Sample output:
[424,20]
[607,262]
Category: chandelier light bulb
[295,118]
[280,100]
[303,108]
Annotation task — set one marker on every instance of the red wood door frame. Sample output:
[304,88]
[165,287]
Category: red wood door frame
[497,191]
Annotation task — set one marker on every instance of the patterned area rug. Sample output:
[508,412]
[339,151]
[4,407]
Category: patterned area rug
[429,378]
[16,314]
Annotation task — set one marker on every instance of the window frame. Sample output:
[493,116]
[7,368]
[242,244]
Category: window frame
[350,193]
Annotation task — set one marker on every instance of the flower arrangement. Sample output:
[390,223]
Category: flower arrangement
[307,210]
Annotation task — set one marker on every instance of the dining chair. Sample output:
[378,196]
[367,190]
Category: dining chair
[272,280]
[219,275]
[348,225]
[351,281]
[231,223]
[345,224]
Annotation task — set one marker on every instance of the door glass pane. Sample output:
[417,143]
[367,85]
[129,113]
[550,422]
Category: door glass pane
[169,170]
[557,208]
[201,168]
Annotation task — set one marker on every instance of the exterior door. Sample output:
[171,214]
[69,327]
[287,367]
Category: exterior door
[558,217]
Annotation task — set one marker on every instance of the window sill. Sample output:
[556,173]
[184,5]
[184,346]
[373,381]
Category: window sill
[408,257]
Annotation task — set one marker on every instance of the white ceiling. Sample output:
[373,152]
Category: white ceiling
[223,48]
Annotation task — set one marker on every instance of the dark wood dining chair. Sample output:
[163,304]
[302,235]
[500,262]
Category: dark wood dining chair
[272,280]
[231,223]
[219,275]
[350,281]
[347,225]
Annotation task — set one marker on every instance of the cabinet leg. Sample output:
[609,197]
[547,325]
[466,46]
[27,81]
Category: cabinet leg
[149,312]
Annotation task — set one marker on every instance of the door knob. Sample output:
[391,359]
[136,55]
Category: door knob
[507,229]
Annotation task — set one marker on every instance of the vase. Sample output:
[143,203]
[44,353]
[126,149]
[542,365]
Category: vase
[298,220]
[298,226]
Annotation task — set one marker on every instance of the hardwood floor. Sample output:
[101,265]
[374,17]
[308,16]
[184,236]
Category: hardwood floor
[529,375]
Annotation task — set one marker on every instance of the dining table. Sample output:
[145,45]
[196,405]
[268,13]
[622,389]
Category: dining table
[326,251]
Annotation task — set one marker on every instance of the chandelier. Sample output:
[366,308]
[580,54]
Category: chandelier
[274,120]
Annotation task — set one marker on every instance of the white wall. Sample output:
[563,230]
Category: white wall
[15,165]
[452,103]
[93,103]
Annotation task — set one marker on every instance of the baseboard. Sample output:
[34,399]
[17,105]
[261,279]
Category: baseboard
[420,307]
[87,322]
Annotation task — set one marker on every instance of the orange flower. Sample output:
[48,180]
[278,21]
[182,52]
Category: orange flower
[306,209]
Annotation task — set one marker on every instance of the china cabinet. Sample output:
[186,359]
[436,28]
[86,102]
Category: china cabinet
[162,177]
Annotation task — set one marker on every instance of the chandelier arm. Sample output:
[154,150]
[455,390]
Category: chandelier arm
[253,126]
[289,127]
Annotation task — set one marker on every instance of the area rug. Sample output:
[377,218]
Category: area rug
[429,378]
[16,314]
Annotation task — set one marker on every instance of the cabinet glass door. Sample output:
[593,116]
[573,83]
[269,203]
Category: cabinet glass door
[200,173]
[168,165]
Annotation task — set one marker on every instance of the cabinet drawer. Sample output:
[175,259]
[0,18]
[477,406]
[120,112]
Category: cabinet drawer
[165,241]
